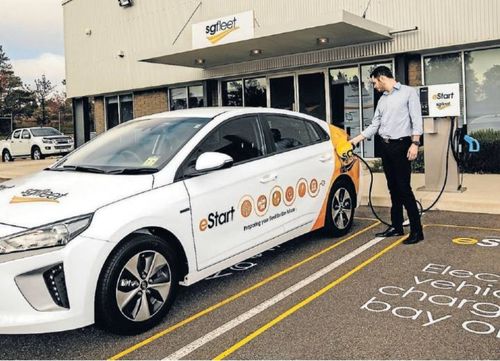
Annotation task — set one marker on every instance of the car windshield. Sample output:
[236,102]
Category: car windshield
[135,147]
[44,132]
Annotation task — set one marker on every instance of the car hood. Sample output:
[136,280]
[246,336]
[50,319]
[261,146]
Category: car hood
[50,196]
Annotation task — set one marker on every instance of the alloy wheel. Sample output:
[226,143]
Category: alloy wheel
[342,208]
[143,286]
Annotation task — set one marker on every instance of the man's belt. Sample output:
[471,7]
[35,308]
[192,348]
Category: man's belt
[389,140]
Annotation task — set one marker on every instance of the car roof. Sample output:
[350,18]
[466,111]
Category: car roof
[212,112]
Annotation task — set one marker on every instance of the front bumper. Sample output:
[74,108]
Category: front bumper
[57,148]
[27,305]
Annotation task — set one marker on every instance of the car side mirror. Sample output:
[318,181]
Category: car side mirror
[211,161]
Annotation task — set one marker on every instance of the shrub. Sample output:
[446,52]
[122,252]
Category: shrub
[487,160]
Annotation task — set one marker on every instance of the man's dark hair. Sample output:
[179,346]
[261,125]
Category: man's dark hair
[381,70]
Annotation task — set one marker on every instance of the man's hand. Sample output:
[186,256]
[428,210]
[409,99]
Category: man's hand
[412,152]
[354,141]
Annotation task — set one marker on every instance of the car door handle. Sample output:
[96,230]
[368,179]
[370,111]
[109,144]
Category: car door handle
[268,178]
[325,158]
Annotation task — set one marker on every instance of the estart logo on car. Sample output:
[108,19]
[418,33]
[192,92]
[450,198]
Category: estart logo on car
[217,219]
[220,29]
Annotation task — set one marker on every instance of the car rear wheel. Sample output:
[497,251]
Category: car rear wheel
[36,153]
[6,157]
[341,207]
[137,285]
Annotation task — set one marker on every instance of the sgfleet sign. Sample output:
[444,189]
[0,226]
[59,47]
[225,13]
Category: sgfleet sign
[223,30]
[441,100]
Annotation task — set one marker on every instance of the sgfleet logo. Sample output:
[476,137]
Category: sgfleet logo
[216,219]
[443,96]
[220,29]
[486,242]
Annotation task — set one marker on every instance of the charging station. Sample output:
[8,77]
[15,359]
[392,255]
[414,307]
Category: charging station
[440,110]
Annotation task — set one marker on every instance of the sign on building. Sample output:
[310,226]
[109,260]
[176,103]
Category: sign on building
[223,30]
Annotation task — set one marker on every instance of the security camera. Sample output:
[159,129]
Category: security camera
[125,3]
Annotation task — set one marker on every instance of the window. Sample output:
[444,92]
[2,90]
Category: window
[482,74]
[119,109]
[16,134]
[232,93]
[238,138]
[26,134]
[178,98]
[186,97]
[289,133]
[443,69]
[255,92]
[195,96]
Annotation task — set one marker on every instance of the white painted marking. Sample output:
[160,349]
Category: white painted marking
[186,350]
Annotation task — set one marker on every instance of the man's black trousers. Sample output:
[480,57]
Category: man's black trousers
[397,169]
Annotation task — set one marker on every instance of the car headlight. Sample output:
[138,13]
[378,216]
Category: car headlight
[50,235]
[48,141]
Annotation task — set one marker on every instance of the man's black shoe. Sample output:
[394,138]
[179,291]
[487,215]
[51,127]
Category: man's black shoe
[414,238]
[390,232]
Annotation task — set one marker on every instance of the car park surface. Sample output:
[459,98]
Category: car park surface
[335,324]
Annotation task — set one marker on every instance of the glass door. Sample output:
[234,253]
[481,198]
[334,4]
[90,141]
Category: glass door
[312,94]
[344,95]
[282,92]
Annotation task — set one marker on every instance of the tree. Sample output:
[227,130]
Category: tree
[43,91]
[8,81]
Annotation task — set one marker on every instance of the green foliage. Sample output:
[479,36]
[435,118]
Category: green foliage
[487,160]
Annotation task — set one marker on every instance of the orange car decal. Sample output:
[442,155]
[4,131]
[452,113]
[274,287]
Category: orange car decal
[349,167]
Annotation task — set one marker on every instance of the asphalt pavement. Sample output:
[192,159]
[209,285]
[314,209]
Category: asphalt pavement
[317,297]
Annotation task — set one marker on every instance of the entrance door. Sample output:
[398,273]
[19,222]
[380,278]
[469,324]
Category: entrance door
[312,95]
[344,94]
[282,92]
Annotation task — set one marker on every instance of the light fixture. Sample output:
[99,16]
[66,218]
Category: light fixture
[125,3]
[199,61]
[322,41]
[254,52]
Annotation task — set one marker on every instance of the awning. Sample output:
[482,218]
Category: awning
[345,29]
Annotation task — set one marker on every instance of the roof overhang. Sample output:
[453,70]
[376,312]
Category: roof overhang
[346,29]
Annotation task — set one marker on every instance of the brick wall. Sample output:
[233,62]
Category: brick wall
[150,102]
[99,115]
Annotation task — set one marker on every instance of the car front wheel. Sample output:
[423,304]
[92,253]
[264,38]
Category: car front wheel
[137,285]
[341,207]
[36,153]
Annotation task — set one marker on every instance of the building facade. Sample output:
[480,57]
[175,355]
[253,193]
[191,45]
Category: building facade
[129,58]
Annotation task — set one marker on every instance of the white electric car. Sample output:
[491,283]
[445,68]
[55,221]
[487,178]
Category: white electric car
[107,233]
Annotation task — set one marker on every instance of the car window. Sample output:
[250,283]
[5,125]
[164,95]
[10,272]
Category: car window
[26,134]
[44,132]
[289,133]
[147,143]
[239,138]
[16,134]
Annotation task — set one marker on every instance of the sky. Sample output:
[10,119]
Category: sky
[31,33]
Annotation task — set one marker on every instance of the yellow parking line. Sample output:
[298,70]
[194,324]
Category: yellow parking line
[235,296]
[304,302]
[464,227]
[366,219]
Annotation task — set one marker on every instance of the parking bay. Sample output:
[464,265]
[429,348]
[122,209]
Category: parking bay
[332,326]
